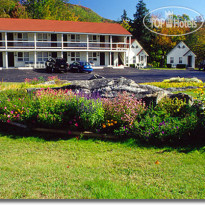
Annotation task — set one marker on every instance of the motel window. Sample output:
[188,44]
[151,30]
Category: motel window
[23,56]
[92,38]
[92,56]
[42,56]
[75,56]
[180,59]
[75,38]
[22,36]
[42,37]
[134,59]
[171,59]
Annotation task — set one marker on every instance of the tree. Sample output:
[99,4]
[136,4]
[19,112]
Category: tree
[124,16]
[6,7]
[139,30]
[19,11]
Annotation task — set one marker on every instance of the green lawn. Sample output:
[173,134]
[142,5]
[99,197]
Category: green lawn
[33,168]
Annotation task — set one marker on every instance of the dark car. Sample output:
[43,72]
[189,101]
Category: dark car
[56,65]
[81,67]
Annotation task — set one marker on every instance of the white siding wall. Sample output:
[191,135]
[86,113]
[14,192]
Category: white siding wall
[134,51]
[179,52]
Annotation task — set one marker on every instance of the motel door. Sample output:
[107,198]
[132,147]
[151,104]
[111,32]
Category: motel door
[10,59]
[65,56]
[102,58]
[1,59]
[189,61]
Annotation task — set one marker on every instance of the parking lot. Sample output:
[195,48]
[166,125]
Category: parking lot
[139,76]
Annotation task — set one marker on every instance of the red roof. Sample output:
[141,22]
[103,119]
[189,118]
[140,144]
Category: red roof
[10,24]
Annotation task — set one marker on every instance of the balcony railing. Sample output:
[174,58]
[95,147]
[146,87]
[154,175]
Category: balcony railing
[66,45]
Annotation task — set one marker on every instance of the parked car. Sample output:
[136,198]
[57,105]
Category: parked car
[81,67]
[56,65]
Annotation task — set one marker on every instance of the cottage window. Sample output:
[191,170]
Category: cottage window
[179,46]
[134,59]
[22,36]
[92,38]
[142,58]
[75,38]
[92,56]
[180,59]
[171,59]
[75,56]
[42,56]
[42,37]
[23,56]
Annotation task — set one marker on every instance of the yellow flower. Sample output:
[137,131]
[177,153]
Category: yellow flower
[111,124]
[115,122]
[108,124]
[104,126]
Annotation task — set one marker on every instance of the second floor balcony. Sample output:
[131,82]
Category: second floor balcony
[63,45]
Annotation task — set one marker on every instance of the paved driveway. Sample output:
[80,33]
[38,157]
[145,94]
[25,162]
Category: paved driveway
[139,76]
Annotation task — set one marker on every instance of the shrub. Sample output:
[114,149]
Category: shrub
[172,107]
[124,109]
[152,128]
[62,108]
[169,65]
[181,66]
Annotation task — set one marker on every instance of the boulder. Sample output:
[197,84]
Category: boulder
[109,88]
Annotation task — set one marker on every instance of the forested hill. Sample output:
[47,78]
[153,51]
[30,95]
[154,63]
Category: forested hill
[86,14]
[48,9]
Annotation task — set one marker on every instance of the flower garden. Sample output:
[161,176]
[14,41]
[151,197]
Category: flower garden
[172,121]
[157,153]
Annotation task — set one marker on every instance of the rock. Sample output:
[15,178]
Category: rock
[96,76]
[52,82]
[109,88]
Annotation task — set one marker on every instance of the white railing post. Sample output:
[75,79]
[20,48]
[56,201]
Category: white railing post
[35,59]
[35,41]
[87,42]
[62,41]
[6,46]
[87,56]
[129,51]
[110,42]
[6,56]
[110,59]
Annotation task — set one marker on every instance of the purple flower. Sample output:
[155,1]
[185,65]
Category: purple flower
[162,132]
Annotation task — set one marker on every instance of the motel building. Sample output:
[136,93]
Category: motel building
[29,43]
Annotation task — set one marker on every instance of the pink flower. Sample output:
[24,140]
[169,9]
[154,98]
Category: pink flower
[8,116]
[8,121]
[76,124]
[5,108]
[12,112]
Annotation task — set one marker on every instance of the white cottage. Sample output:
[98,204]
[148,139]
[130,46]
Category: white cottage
[181,56]
[136,55]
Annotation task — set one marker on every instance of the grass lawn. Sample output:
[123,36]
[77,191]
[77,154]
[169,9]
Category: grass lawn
[33,168]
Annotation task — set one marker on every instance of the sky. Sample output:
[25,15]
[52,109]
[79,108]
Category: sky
[113,9]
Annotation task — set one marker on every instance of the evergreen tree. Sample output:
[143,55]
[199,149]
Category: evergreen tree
[124,16]
[139,30]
